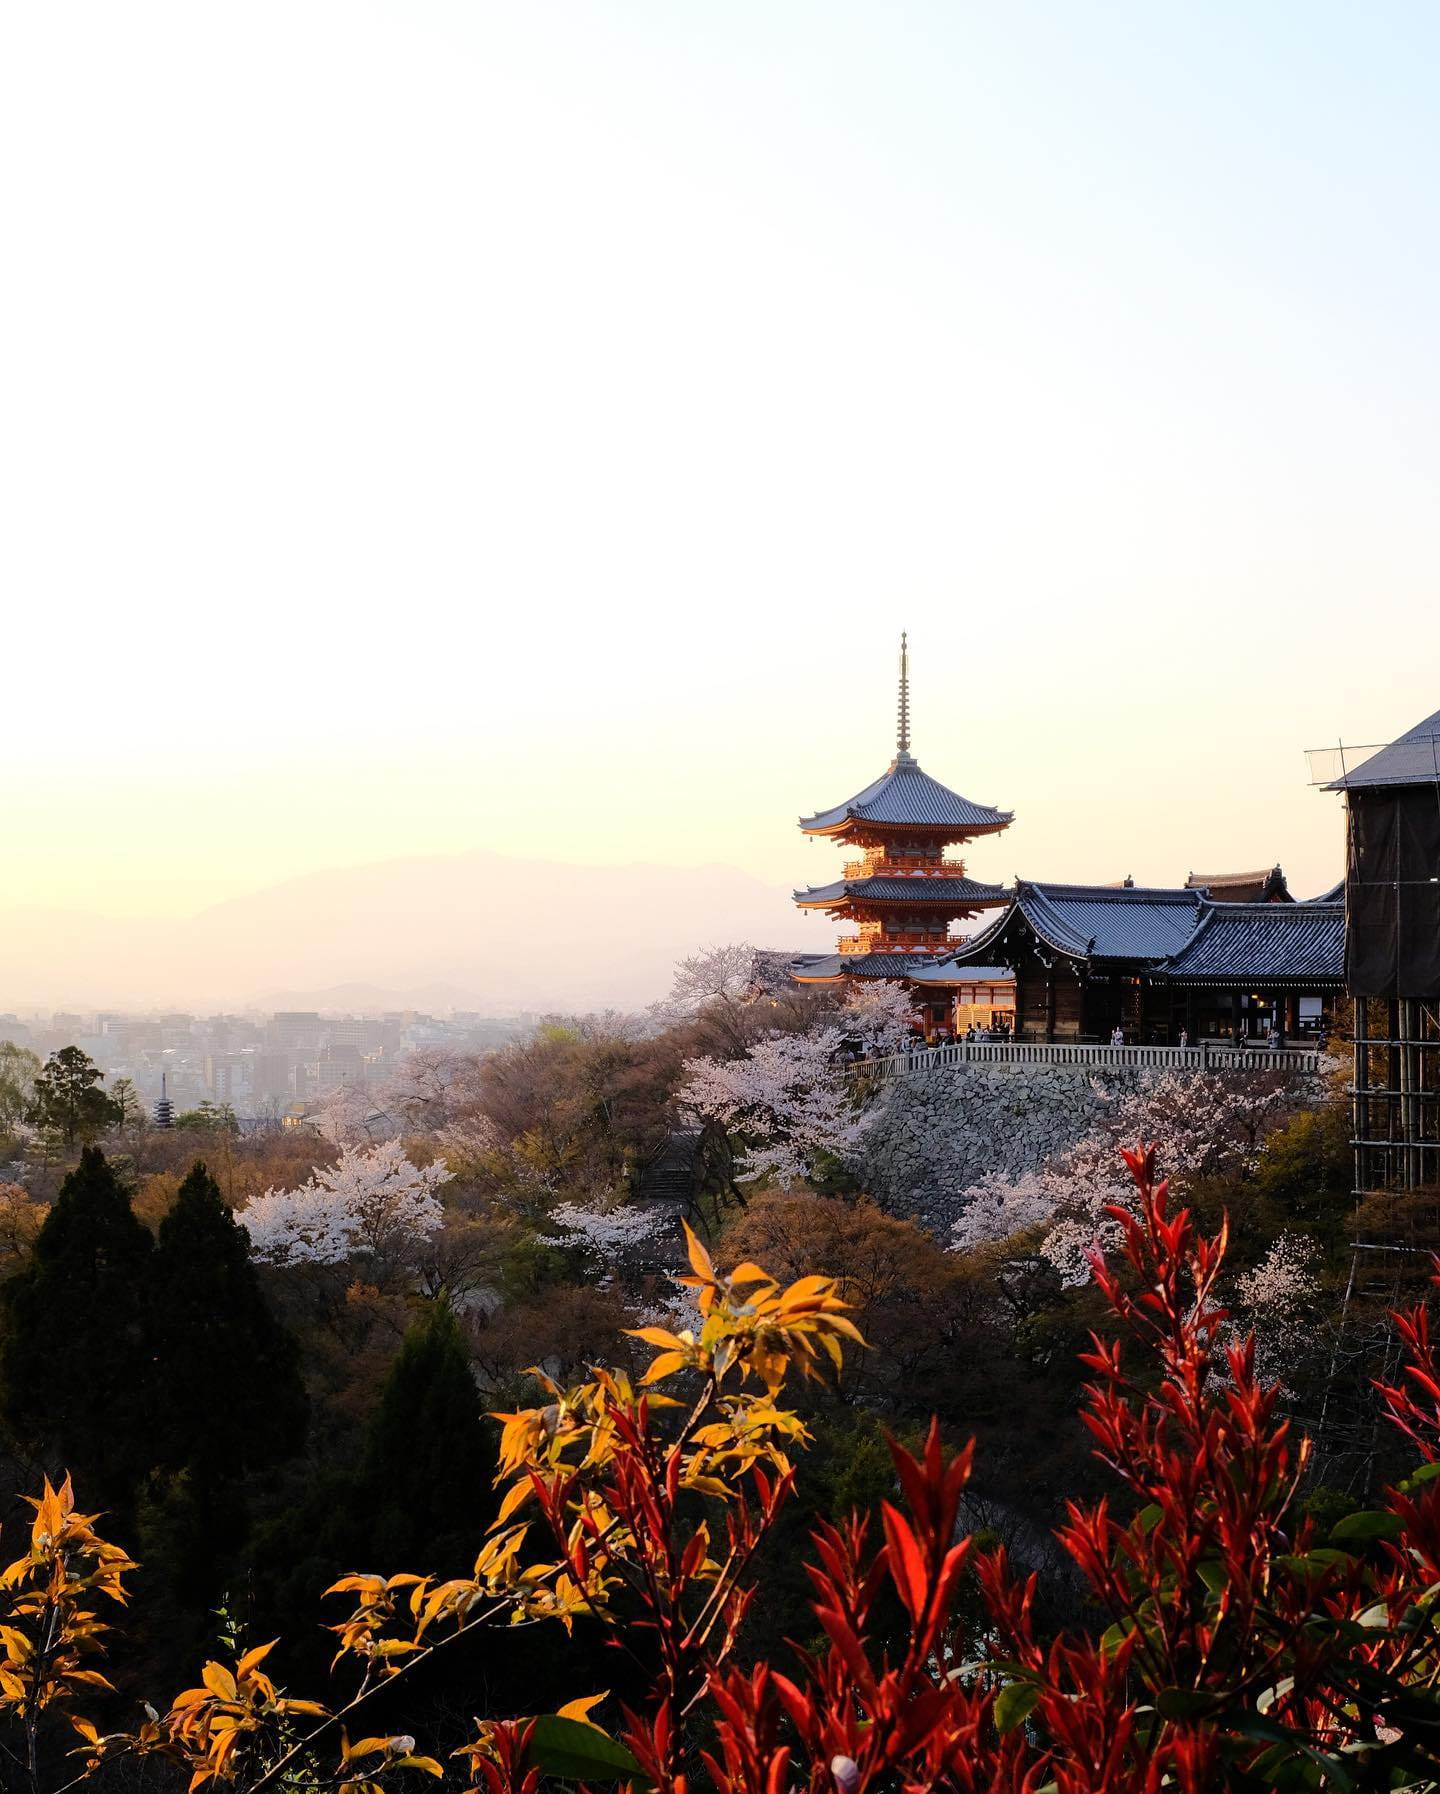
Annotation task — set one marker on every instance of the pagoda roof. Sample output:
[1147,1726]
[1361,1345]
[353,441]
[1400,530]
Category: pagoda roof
[1412,759]
[1264,944]
[904,795]
[1115,922]
[938,969]
[936,893]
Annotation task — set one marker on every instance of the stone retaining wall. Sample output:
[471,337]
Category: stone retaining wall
[936,1133]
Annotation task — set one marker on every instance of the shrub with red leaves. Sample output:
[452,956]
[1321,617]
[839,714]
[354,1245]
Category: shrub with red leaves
[1236,1650]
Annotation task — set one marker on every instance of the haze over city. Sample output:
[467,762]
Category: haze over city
[431,432]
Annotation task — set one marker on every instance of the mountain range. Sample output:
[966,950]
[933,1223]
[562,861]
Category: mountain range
[469,931]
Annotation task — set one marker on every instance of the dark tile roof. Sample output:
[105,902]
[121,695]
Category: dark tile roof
[904,794]
[1413,759]
[1264,944]
[1099,921]
[915,967]
[962,892]
[1336,894]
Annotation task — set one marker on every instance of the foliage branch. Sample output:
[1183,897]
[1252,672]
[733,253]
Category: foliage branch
[1235,1650]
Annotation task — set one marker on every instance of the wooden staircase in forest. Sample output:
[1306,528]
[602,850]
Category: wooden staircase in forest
[671,1173]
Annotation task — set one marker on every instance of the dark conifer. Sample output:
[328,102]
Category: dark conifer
[227,1372]
[430,1457]
[76,1361]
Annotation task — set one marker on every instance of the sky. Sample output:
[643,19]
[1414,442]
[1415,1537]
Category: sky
[434,425]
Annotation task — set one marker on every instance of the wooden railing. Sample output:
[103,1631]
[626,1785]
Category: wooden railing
[1066,1052]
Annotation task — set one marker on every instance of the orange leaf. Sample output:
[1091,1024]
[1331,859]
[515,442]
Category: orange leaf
[700,1260]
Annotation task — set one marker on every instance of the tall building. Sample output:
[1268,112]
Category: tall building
[906,888]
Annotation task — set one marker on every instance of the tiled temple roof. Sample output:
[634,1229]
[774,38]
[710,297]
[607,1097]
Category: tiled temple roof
[1098,921]
[1266,886]
[1264,944]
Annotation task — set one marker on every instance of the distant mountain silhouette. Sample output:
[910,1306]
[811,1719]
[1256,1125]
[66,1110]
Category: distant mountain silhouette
[473,930]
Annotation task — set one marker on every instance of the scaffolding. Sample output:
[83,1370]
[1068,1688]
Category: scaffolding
[1392,952]
[1392,972]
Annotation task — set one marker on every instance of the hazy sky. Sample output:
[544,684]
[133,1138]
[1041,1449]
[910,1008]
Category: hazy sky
[437,424]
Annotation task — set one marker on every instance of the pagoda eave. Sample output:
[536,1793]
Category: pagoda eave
[863,828]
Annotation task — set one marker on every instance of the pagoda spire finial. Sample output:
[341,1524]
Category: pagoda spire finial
[902,739]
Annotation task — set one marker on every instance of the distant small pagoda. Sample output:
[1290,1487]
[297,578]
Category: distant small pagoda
[164,1109]
[902,893]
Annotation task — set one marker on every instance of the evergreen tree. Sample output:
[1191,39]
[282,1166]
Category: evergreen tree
[76,1362]
[419,1498]
[66,1099]
[430,1458]
[227,1372]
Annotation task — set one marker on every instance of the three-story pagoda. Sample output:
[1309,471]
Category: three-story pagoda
[904,890]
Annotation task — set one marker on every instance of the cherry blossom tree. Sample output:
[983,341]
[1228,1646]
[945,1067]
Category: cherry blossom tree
[1273,1301]
[373,1200]
[433,1087]
[721,974]
[350,1116]
[879,1014]
[787,1099]
[790,1098]
[606,1234]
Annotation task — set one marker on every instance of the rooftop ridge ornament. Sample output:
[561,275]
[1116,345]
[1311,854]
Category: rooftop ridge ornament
[902,739]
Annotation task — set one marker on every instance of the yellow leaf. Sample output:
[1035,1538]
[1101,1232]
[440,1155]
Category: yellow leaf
[657,1336]
[700,1260]
[219,1681]
[580,1709]
[257,1655]
[664,1366]
[515,1497]
[428,1764]
[805,1287]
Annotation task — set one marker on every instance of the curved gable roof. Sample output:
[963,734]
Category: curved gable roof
[1099,921]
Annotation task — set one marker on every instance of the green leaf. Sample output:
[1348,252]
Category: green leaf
[1185,1703]
[575,1752]
[1212,1574]
[1014,1705]
[1374,1523]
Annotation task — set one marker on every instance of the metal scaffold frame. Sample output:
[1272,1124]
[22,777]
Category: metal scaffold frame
[1394,1093]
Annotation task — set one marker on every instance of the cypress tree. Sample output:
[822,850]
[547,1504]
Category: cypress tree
[429,1459]
[227,1373]
[419,1496]
[76,1360]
